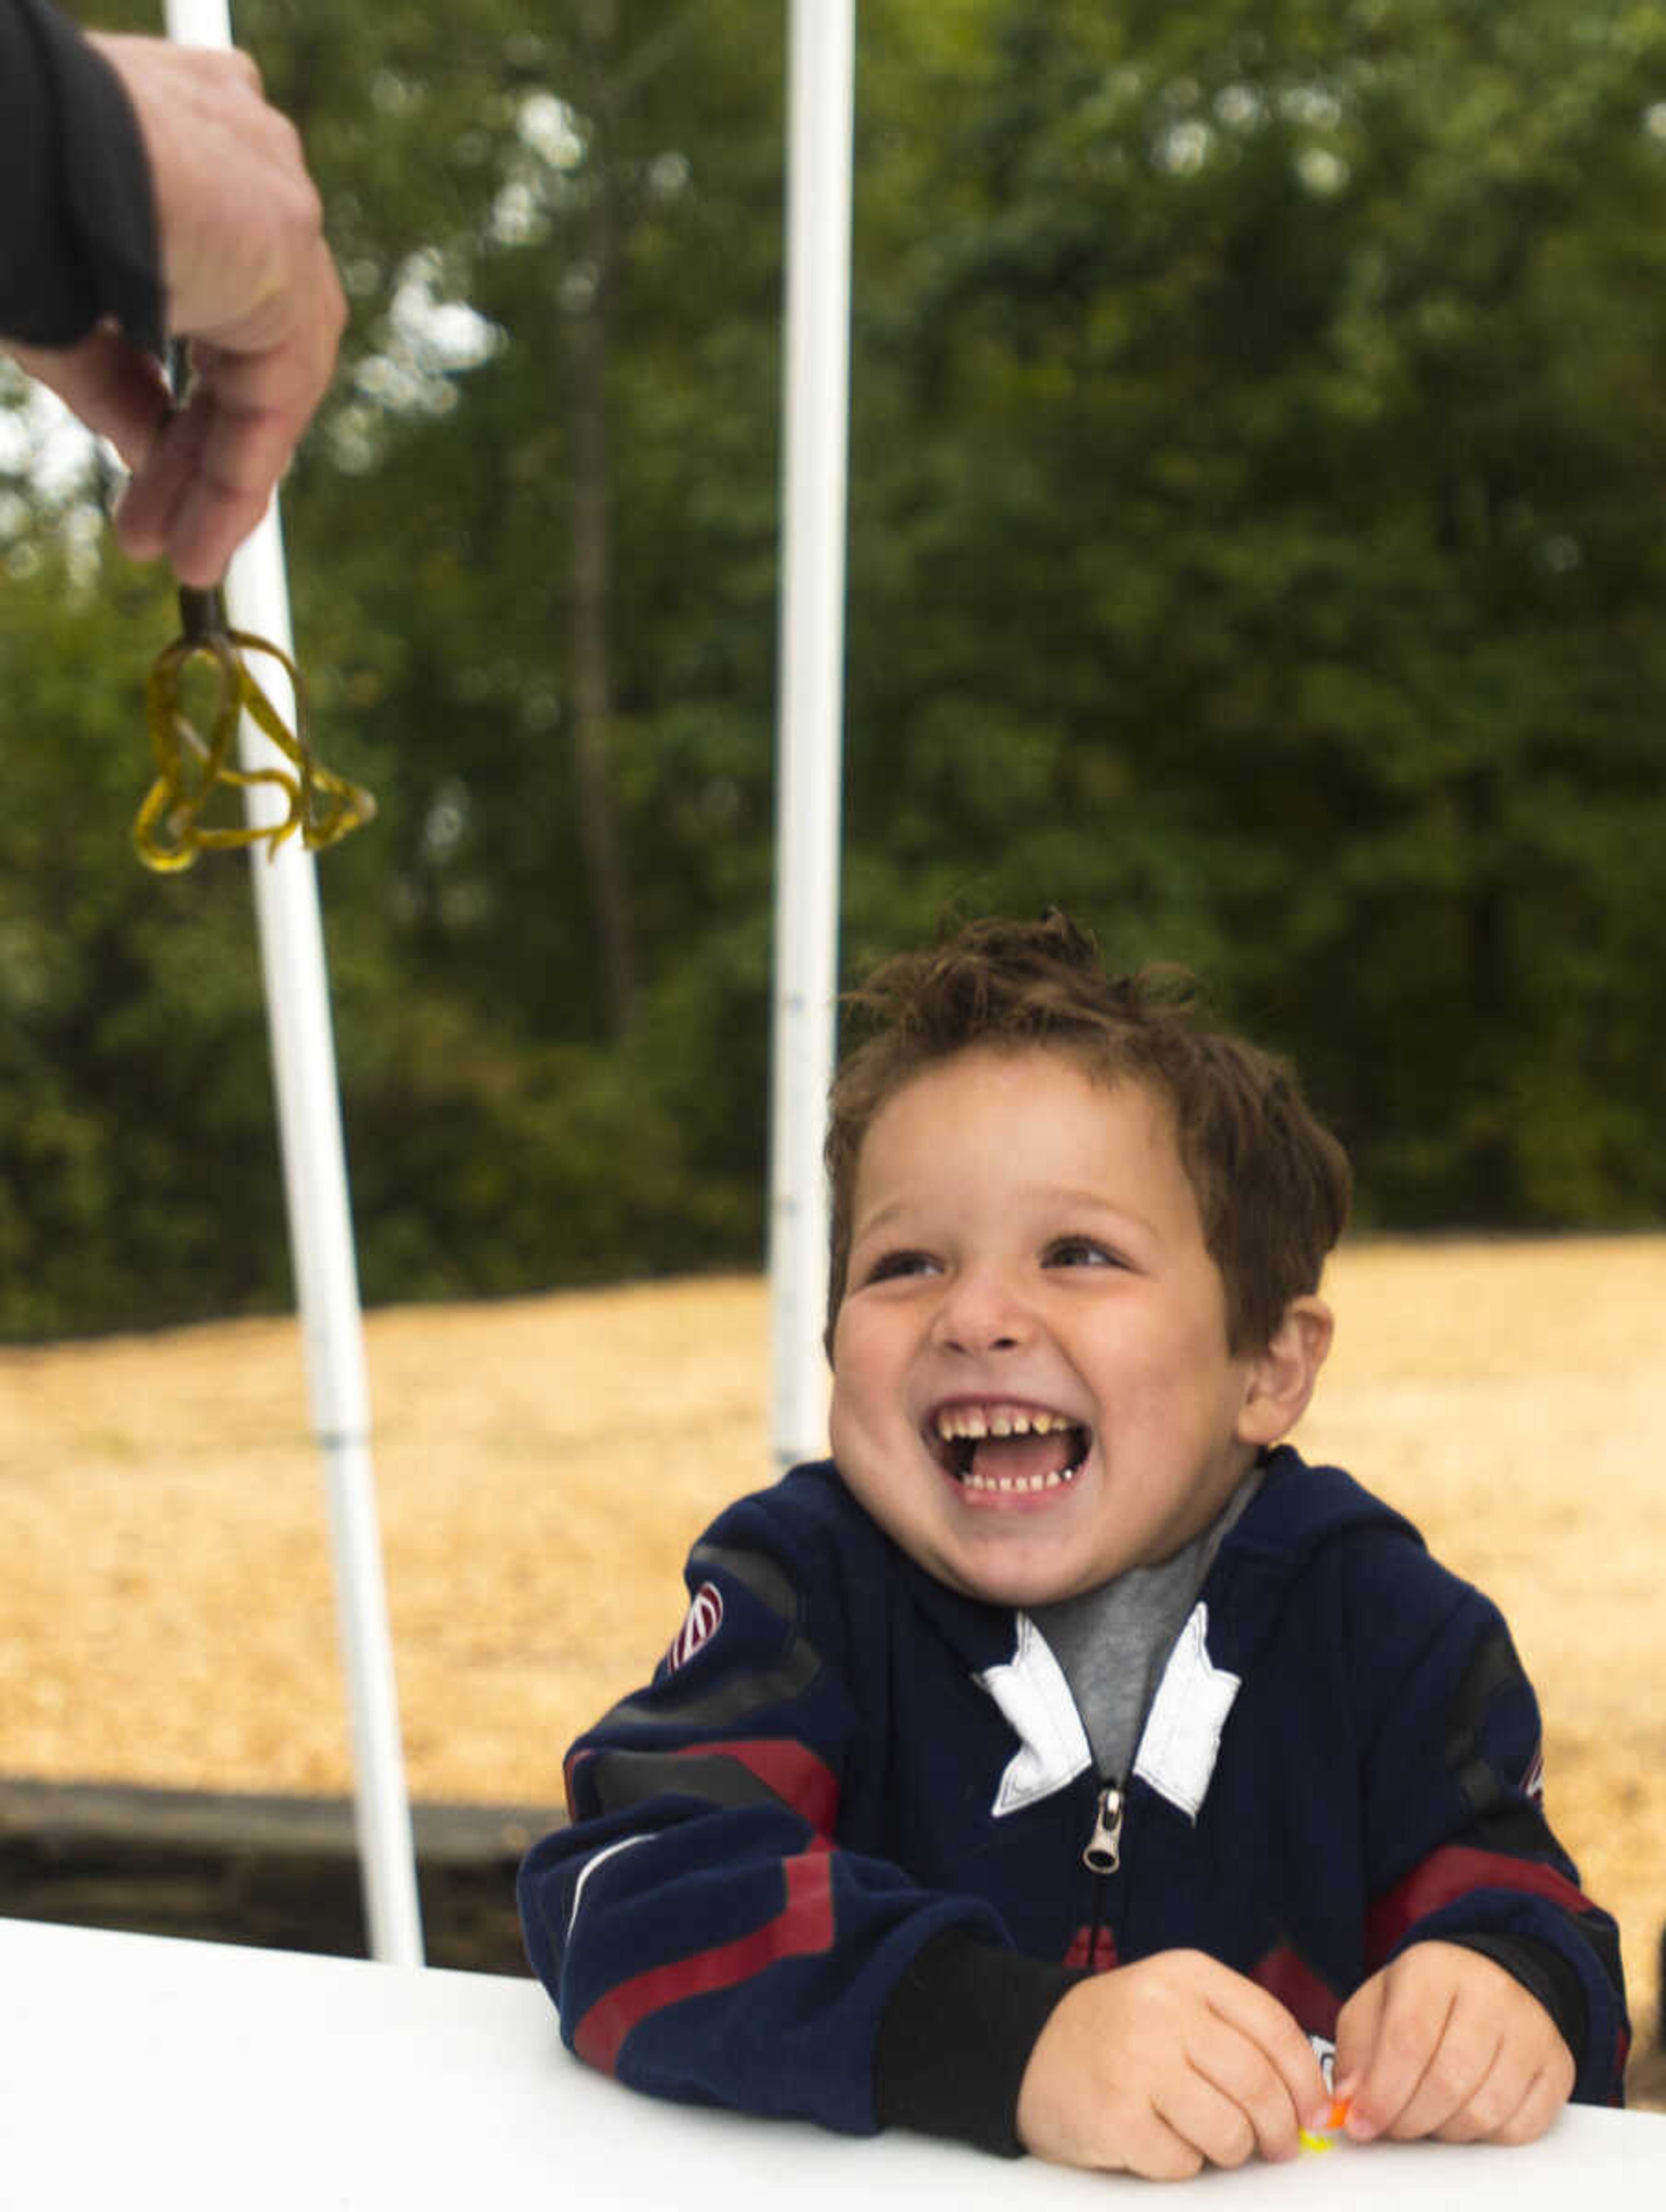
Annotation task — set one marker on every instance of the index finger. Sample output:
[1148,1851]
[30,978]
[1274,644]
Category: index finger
[1274,2030]
[1403,2049]
[209,477]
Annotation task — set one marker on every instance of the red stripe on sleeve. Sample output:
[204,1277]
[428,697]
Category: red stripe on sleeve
[803,1925]
[1453,1871]
[790,1771]
[793,1770]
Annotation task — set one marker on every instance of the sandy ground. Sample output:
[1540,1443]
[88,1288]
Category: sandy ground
[167,1614]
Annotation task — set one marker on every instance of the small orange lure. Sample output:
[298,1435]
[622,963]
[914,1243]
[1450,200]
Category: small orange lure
[1336,2120]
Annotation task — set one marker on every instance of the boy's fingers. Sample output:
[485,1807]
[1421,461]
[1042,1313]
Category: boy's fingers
[1269,2118]
[1452,2084]
[1444,2043]
[1159,2152]
[1348,2069]
[1357,2029]
[1211,2123]
[1515,2103]
[1426,2068]
[1547,2093]
[1264,2024]
[1381,2080]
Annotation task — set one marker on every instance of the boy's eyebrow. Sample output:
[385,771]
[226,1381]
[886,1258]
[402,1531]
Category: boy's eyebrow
[1095,1201]
[1062,1195]
[877,1216]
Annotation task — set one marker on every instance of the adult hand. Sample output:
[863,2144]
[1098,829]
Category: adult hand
[1167,2065]
[248,279]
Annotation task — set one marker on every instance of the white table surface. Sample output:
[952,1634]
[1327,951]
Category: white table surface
[138,2071]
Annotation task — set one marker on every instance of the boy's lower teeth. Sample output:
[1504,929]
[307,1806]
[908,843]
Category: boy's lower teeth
[1023,1465]
[1019,1482]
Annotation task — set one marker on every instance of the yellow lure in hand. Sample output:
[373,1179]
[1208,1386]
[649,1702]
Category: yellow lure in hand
[1336,2120]
[169,831]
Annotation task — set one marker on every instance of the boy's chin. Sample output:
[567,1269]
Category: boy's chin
[1023,1579]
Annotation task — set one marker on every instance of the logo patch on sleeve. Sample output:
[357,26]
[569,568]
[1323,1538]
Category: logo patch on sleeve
[700,1625]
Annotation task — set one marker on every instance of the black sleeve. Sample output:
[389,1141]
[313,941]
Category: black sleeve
[78,238]
[956,2036]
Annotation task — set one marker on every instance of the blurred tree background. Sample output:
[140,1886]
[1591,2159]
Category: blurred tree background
[1257,546]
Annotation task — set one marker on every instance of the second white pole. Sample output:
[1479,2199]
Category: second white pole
[810,711]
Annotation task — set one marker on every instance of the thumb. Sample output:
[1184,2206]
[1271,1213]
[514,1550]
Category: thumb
[116,388]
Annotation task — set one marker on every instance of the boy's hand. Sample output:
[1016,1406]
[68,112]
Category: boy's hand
[1444,2042]
[1166,2065]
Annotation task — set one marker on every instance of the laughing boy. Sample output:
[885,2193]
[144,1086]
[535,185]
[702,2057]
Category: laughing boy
[1066,1764]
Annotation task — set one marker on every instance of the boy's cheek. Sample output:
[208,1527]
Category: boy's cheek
[856,1436]
[865,1389]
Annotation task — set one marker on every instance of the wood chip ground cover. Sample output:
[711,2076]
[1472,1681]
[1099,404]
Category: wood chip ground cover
[541,1465]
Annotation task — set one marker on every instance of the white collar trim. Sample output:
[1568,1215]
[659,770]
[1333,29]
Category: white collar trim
[1182,1736]
[1179,1747]
[1035,1700]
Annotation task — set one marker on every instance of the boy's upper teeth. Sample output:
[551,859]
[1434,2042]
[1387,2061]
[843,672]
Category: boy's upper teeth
[998,1420]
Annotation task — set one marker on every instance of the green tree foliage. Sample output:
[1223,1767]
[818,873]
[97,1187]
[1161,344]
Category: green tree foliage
[135,1122]
[1254,546]
[1280,574]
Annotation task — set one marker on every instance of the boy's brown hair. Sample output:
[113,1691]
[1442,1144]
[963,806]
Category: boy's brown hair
[1272,1182]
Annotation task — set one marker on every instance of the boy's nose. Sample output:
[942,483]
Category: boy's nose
[981,1312]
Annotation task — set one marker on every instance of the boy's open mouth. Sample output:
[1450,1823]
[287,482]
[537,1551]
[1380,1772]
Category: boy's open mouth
[1003,1446]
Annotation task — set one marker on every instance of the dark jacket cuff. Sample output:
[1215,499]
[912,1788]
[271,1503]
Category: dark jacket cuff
[80,207]
[956,2036]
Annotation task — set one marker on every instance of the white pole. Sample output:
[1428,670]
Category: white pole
[822,43]
[320,1229]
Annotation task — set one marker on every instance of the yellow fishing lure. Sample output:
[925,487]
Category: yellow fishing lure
[169,831]
[1336,2120]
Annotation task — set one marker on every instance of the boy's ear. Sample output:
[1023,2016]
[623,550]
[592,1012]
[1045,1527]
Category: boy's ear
[1282,1377]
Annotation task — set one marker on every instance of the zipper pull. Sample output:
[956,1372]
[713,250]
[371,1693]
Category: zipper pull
[1103,1853]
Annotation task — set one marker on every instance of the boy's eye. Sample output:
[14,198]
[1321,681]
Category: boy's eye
[890,1266]
[1079,1252]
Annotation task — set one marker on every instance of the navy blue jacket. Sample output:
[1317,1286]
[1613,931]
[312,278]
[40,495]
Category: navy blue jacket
[831,1862]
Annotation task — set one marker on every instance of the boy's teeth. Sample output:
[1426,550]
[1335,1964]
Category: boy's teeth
[976,1421]
[1019,1482]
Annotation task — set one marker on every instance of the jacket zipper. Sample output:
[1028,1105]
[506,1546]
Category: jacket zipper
[1102,1854]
